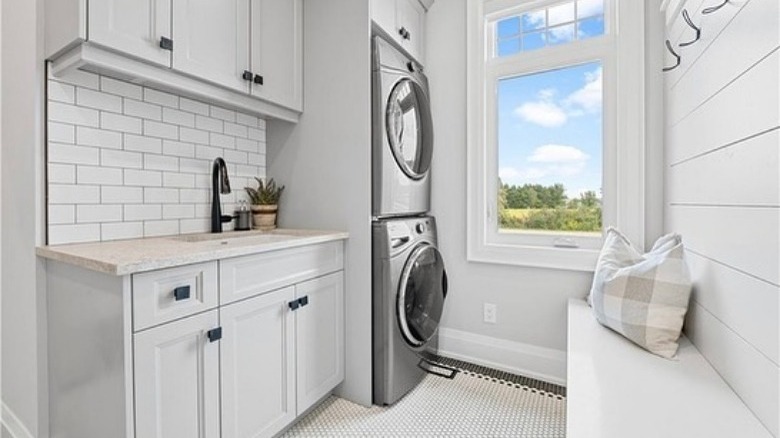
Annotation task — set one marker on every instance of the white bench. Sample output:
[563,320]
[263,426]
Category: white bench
[618,390]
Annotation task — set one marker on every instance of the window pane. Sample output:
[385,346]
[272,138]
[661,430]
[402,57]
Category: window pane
[589,8]
[550,140]
[590,27]
[509,46]
[561,34]
[508,27]
[558,24]
[534,20]
[533,41]
[560,14]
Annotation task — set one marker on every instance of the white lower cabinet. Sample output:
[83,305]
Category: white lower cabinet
[258,365]
[252,365]
[320,338]
[177,380]
[230,348]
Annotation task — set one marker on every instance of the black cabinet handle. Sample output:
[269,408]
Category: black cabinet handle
[247,76]
[214,335]
[404,33]
[166,43]
[294,305]
[303,300]
[258,80]
[181,293]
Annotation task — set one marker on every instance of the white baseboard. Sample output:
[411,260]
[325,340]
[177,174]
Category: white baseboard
[513,357]
[12,424]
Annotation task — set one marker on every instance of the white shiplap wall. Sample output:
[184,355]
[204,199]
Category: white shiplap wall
[723,191]
[125,161]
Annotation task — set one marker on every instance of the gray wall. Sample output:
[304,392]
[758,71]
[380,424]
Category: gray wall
[723,182]
[23,342]
[325,161]
[531,302]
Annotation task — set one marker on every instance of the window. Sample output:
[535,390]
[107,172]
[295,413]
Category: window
[549,101]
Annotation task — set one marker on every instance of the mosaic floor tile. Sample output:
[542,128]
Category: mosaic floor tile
[478,402]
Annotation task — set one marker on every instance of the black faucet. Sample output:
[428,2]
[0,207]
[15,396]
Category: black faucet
[220,183]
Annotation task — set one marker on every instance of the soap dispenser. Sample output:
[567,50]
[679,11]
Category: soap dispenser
[243,217]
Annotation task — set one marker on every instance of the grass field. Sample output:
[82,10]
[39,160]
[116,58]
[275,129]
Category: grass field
[555,219]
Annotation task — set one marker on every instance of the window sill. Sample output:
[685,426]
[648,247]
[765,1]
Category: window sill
[570,259]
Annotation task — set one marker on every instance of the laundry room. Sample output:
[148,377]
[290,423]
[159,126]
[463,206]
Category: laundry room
[396,218]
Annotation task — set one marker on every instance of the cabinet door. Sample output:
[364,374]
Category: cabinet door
[177,380]
[258,365]
[410,16]
[133,27]
[383,14]
[320,340]
[211,40]
[277,51]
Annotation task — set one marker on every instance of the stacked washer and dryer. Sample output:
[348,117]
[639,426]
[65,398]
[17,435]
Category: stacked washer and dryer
[409,280]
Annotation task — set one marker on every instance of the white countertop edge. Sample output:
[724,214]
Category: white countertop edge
[190,252]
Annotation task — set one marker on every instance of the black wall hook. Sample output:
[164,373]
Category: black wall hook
[714,8]
[676,56]
[688,20]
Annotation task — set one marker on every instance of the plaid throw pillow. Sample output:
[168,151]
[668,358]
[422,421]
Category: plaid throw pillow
[644,297]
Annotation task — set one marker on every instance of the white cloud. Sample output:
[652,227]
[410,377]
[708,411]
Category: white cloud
[543,113]
[550,160]
[588,8]
[561,34]
[560,14]
[549,112]
[588,98]
[534,20]
[555,153]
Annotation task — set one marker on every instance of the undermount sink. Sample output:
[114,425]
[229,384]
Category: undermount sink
[226,238]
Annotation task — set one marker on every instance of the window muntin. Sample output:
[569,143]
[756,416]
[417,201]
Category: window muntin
[550,150]
[558,24]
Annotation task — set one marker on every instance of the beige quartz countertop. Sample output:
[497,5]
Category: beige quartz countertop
[124,257]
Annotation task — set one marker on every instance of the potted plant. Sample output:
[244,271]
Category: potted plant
[265,203]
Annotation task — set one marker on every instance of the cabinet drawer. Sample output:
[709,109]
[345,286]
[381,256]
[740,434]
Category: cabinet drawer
[162,296]
[243,277]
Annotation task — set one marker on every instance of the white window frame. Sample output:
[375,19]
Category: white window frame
[621,52]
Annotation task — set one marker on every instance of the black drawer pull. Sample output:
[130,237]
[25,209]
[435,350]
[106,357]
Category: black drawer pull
[258,80]
[166,43]
[294,305]
[181,293]
[247,76]
[214,335]
[303,300]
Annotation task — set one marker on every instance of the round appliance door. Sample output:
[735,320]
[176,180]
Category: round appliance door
[421,294]
[410,128]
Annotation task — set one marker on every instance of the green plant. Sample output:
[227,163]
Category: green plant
[266,193]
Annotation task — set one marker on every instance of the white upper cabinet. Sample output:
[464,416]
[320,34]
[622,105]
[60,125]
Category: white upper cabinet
[404,22]
[134,27]
[252,50]
[211,40]
[277,51]
[410,19]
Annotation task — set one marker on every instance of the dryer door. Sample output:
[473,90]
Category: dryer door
[410,128]
[421,294]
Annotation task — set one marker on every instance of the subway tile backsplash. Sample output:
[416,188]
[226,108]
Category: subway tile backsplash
[126,161]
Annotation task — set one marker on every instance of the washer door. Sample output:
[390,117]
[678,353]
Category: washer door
[421,294]
[409,128]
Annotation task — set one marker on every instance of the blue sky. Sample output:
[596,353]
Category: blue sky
[550,128]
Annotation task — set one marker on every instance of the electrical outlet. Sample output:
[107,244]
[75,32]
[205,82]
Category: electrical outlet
[489,313]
